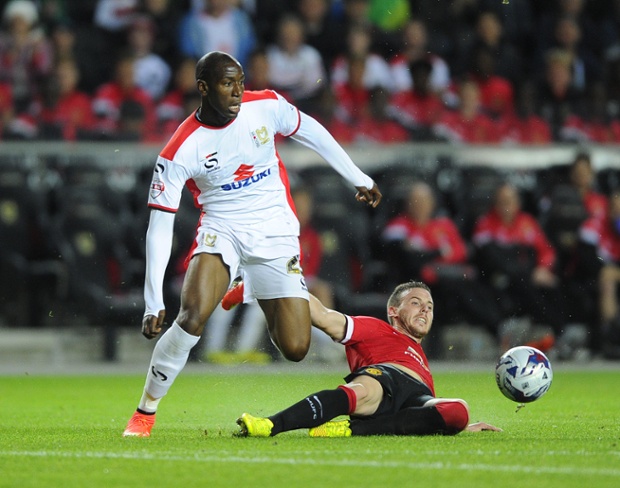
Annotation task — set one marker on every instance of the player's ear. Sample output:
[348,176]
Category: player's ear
[391,311]
[202,87]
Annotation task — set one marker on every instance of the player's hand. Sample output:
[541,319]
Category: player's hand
[372,197]
[151,325]
[481,426]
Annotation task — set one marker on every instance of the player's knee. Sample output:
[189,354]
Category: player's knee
[191,322]
[296,351]
[455,414]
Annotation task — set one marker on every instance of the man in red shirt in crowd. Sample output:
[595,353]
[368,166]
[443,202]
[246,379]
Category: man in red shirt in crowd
[517,259]
[418,108]
[600,262]
[421,242]
[111,96]
[390,390]
[65,110]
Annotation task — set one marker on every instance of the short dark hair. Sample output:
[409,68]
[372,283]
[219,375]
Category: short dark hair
[211,64]
[401,290]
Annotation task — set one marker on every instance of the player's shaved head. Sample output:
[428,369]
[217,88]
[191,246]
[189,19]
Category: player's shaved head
[211,65]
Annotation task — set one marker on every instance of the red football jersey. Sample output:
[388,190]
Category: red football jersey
[369,341]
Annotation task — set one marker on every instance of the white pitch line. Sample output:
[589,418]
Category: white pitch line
[563,470]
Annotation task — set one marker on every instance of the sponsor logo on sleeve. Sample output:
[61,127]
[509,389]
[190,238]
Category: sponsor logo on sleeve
[157,187]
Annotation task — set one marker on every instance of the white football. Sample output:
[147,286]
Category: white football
[523,374]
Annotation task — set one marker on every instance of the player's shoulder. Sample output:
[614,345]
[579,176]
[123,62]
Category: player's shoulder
[258,95]
[183,133]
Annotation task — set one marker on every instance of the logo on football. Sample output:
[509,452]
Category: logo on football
[523,374]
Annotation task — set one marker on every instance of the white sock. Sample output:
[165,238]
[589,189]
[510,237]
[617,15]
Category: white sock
[169,357]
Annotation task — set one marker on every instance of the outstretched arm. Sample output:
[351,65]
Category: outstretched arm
[333,323]
[315,136]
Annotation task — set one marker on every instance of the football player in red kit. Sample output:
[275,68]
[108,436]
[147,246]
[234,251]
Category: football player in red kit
[390,390]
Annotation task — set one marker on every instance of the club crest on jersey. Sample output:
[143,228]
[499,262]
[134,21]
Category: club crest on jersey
[260,136]
[157,187]
[292,266]
[373,371]
[210,239]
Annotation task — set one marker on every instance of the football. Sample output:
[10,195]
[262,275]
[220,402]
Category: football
[523,374]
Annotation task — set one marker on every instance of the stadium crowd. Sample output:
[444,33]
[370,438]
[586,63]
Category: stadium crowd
[372,71]
[470,71]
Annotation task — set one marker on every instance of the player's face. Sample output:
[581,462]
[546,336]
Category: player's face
[222,100]
[414,315]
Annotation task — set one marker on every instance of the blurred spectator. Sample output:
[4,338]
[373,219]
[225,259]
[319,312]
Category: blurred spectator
[113,17]
[414,47]
[151,72]
[516,258]
[418,108]
[219,26]
[166,18]
[421,243]
[376,71]
[496,92]
[322,30]
[583,179]
[586,66]
[181,100]
[559,102]
[25,52]
[488,35]
[110,97]
[133,125]
[370,123]
[517,22]
[598,125]
[468,124]
[294,66]
[596,33]
[600,262]
[257,72]
[311,260]
[311,246]
[524,125]
[63,39]
[64,110]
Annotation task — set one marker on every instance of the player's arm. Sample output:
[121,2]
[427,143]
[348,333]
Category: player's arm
[331,322]
[313,135]
[158,250]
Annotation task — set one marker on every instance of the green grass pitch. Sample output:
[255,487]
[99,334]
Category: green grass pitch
[66,432]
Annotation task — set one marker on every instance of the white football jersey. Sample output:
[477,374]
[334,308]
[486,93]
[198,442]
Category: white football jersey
[234,172]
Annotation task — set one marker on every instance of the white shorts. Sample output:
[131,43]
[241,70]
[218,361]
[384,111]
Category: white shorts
[269,265]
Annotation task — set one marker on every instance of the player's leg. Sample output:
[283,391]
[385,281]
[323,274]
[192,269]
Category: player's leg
[312,411]
[447,416]
[205,283]
[288,322]
[363,394]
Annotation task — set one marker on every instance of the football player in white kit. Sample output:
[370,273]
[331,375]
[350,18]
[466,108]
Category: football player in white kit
[225,153]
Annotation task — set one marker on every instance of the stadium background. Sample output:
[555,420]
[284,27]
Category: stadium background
[59,307]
